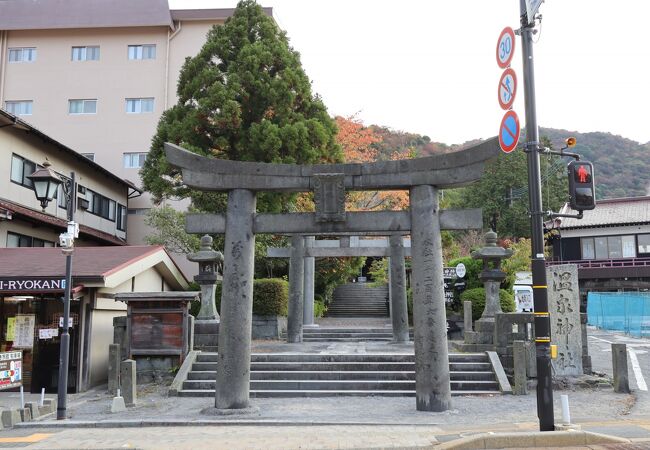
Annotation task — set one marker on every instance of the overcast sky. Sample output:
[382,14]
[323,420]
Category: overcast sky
[429,67]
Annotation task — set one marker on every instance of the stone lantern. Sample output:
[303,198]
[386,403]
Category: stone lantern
[482,338]
[206,326]
[491,275]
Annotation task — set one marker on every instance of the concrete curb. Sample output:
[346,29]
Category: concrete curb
[550,439]
[135,423]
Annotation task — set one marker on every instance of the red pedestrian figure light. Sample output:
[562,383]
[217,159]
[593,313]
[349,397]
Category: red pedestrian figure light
[582,174]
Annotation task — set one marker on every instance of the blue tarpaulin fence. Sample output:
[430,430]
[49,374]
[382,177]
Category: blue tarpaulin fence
[620,311]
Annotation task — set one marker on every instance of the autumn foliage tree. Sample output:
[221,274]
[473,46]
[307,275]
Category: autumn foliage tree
[359,146]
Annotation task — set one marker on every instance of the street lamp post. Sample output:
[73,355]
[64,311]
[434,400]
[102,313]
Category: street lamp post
[46,182]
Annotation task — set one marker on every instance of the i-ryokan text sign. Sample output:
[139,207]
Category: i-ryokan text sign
[31,284]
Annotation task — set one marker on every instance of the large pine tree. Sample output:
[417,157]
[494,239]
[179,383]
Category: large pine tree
[244,97]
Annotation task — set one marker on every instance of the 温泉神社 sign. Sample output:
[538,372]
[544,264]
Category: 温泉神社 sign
[32,284]
[11,369]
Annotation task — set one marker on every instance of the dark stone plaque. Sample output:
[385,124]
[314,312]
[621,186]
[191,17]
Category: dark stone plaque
[329,196]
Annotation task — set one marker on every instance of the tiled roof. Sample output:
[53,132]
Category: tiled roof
[39,217]
[87,262]
[54,14]
[612,212]
[208,14]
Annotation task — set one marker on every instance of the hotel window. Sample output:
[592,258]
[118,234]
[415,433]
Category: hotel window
[121,217]
[82,106]
[587,246]
[19,107]
[643,243]
[22,54]
[139,105]
[608,247]
[21,168]
[21,240]
[60,195]
[134,160]
[90,53]
[146,51]
[629,244]
[100,205]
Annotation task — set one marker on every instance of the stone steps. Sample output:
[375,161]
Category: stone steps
[318,374]
[322,334]
[347,366]
[359,300]
[314,394]
[259,375]
[342,385]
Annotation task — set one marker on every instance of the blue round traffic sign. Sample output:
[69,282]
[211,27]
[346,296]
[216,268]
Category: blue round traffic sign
[507,88]
[509,131]
[505,47]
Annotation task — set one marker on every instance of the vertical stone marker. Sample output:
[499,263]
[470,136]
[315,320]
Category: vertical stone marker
[113,368]
[619,368]
[234,363]
[564,310]
[128,382]
[398,306]
[432,379]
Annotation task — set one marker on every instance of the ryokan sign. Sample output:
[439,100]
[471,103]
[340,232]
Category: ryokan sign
[31,284]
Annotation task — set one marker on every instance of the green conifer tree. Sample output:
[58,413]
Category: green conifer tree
[244,97]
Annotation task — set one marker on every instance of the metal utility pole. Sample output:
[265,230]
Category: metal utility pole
[70,191]
[540,291]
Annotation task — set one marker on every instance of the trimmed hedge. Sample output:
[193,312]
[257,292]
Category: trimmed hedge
[270,298]
[477,297]
[319,308]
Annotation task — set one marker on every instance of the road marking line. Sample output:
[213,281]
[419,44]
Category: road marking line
[640,382]
[36,437]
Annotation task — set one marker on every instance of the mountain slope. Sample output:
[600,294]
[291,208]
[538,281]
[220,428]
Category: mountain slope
[621,166]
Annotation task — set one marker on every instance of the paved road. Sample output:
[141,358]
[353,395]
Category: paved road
[638,357]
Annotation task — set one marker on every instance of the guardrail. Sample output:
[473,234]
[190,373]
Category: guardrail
[604,263]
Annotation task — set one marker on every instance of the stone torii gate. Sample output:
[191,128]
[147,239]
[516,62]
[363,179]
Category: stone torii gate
[423,221]
[395,248]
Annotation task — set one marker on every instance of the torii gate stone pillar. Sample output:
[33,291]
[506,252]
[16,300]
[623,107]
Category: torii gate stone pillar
[233,366]
[422,176]
[308,286]
[432,381]
[398,307]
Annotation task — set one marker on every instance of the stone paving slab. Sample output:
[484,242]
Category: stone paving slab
[155,405]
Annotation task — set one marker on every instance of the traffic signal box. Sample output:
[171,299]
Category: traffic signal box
[581,185]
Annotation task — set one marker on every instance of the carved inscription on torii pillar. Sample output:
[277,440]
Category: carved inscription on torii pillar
[423,221]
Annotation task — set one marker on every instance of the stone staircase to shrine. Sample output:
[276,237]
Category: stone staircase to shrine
[359,300]
[323,334]
[323,375]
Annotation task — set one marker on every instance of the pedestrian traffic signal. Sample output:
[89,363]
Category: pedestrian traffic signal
[581,185]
